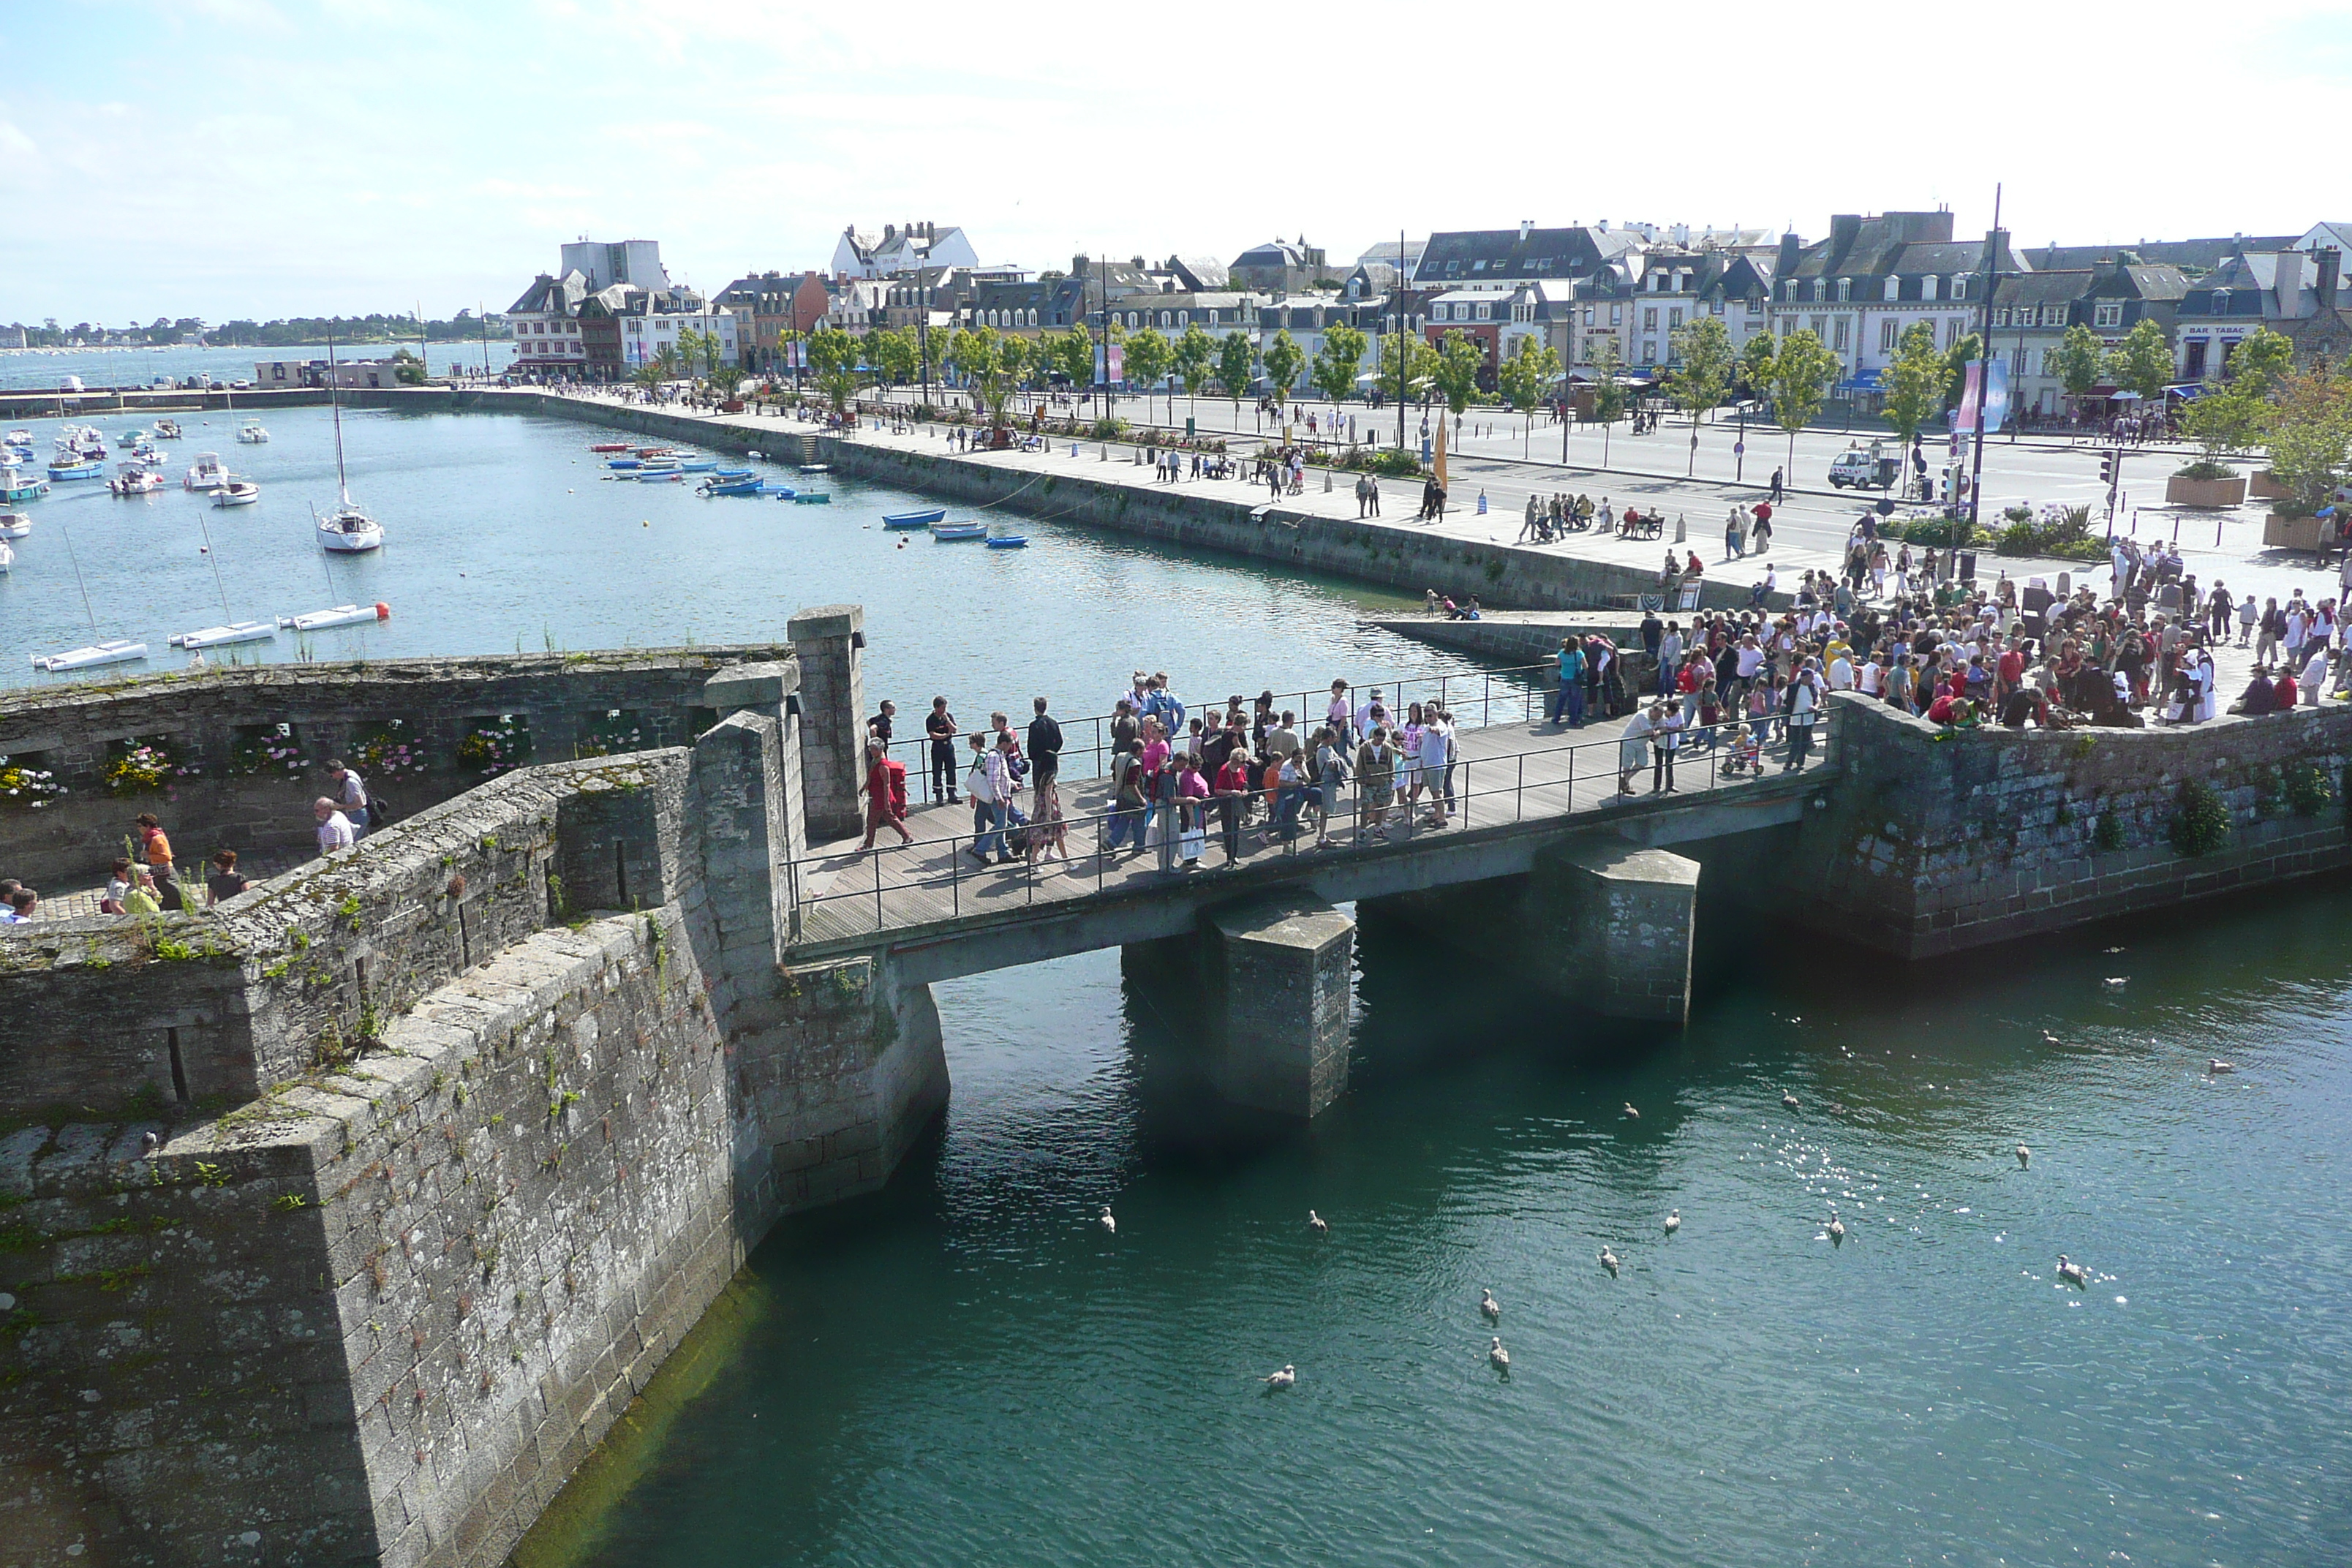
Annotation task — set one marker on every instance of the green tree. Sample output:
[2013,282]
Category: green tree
[2229,417]
[1150,356]
[690,350]
[1702,372]
[893,353]
[785,338]
[1196,356]
[1959,356]
[1419,362]
[1802,369]
[2309,430]
[1284,361]
[2078,360]
[1916,381]
[1070,353]
[1237,361]
[2261,360]
[406,368]
[1609,397]
[669,362]
[833,355]
[1455,376]
[1526,376]
[1756,364]
[728,379]
[648,376]
[1336,363]
[2142,362]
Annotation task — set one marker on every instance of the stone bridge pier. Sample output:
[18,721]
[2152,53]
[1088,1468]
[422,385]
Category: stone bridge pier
[1262,989]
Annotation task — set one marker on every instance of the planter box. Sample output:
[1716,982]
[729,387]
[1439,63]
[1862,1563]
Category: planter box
[2261,487]
[2180,491]
[2293,533]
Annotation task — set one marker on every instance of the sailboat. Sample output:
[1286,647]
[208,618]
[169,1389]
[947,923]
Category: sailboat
[348,529]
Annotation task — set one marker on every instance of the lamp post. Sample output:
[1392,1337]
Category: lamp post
[1984,365]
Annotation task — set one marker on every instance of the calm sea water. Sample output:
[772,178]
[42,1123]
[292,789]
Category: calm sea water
[47,369]
[964,1370]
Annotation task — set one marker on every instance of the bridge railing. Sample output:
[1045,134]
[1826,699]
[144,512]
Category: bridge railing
[947,877]
[1477,700]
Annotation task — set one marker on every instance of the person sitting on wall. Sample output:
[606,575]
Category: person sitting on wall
[2258,697]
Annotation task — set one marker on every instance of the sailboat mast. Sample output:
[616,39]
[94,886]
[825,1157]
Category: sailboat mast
[335,402]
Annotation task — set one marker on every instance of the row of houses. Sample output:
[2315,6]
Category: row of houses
[1583,290]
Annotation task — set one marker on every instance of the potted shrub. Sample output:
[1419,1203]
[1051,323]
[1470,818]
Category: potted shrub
[2205,483]
[2263,486]
[2310,429]
[2226,417]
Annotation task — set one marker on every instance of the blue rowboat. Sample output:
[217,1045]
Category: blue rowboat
[77,469]
[697,465]
[819,499]
[732,473]
[782,492]
[718,486]
[914,519]
[949,532]
[1008,541]
[623,462]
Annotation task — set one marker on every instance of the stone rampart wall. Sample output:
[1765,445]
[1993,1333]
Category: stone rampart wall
[212,721]
[1934,843]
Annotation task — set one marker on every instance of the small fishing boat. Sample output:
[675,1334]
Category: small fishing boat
[657,452]
[714,486]
[782,492]
[252,433]
[950,532]
[698,464]
[1008,541]
[608,445]
[660,465]
[167,430]
[235,631]
[19,436]
[15,525]
[205,473]
[815,497]
[340,615]
[914,519]
[624,463]
[732,473]
[660,477]
[119,650]
[64,467]
[134,479]
[817,468]
[236,492]
[15,486]
[129,439]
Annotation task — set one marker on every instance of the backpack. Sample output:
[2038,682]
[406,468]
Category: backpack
[379,810]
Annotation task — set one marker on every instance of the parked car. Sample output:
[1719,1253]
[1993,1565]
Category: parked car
[1858,467]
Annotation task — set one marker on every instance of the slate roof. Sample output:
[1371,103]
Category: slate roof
[2192,256]
[1466,256]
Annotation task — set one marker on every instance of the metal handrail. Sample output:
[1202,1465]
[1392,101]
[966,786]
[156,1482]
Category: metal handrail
[1711,739]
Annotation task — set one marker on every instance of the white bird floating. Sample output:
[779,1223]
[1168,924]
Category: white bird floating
[1608,1261]
[2113,982]
[2075,1274]
[1107,1223]
[2024,1156]
[1788,1100]
[1837,1229]
[1498,1355]
[1318,1224]
[1631,1114]
[1488,1305]
[1673,1221]
[2216,1064]
[1283,1379]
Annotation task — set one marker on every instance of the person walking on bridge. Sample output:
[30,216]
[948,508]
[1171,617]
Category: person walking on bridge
[1045,748]
[941,726]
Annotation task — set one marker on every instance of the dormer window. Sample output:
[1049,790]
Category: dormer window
[1845,289]
[2220,301]
[1483,312]
[1928,287]
[1895,288]
[1961,287]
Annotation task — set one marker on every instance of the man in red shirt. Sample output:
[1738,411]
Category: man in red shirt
[2009,673]
[1232,792]
[885,795]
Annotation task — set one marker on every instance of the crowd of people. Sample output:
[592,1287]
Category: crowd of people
[1247,772]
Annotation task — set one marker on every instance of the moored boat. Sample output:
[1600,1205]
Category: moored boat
[608,445]
[207,472]
[914,519]
[7,557]
[15,486]
[118,650]
[134,479]
[816,498]
[251,433]
[340,615]
[129,439]
[950,532]
[817,468]
[1008,541]
[623,462]
[167,430]
[15,525]
[64,467]
[714,486]
[235,492]
[235,631]
[350,531]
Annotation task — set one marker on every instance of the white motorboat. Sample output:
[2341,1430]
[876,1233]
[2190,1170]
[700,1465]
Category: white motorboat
[348,531]
[340,615]
[205,473]
[252,433]
[167,430]
[7,557]
[19,436]
[15,525]
[235,631]
[119,650]
[236,492]
[134,479]
[129,439]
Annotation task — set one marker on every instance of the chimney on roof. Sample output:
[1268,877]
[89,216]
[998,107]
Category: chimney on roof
[1527,226]
[2331,267]
[2290,283]
[889,232]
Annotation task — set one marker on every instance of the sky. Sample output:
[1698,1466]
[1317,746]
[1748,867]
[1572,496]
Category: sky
[262,158]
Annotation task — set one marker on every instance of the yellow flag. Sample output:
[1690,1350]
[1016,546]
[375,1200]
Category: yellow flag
[1441,452]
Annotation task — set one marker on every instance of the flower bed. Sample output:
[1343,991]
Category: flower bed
[610,733]
[497,745]
[390,751]
[136,766]
[25,787]
[270,750]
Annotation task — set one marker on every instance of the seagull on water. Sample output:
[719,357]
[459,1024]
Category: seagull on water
[1837,1229]
[1498,1355]
[2113,982]
[1318,1224]
[2024,1156]
[1488,1305]
[1608,1261]
[2075,1274]
[1107,1223]
[1283,1379]
[1631,1114]
[1788,1100]
[2216,1064]
[1673,1221]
